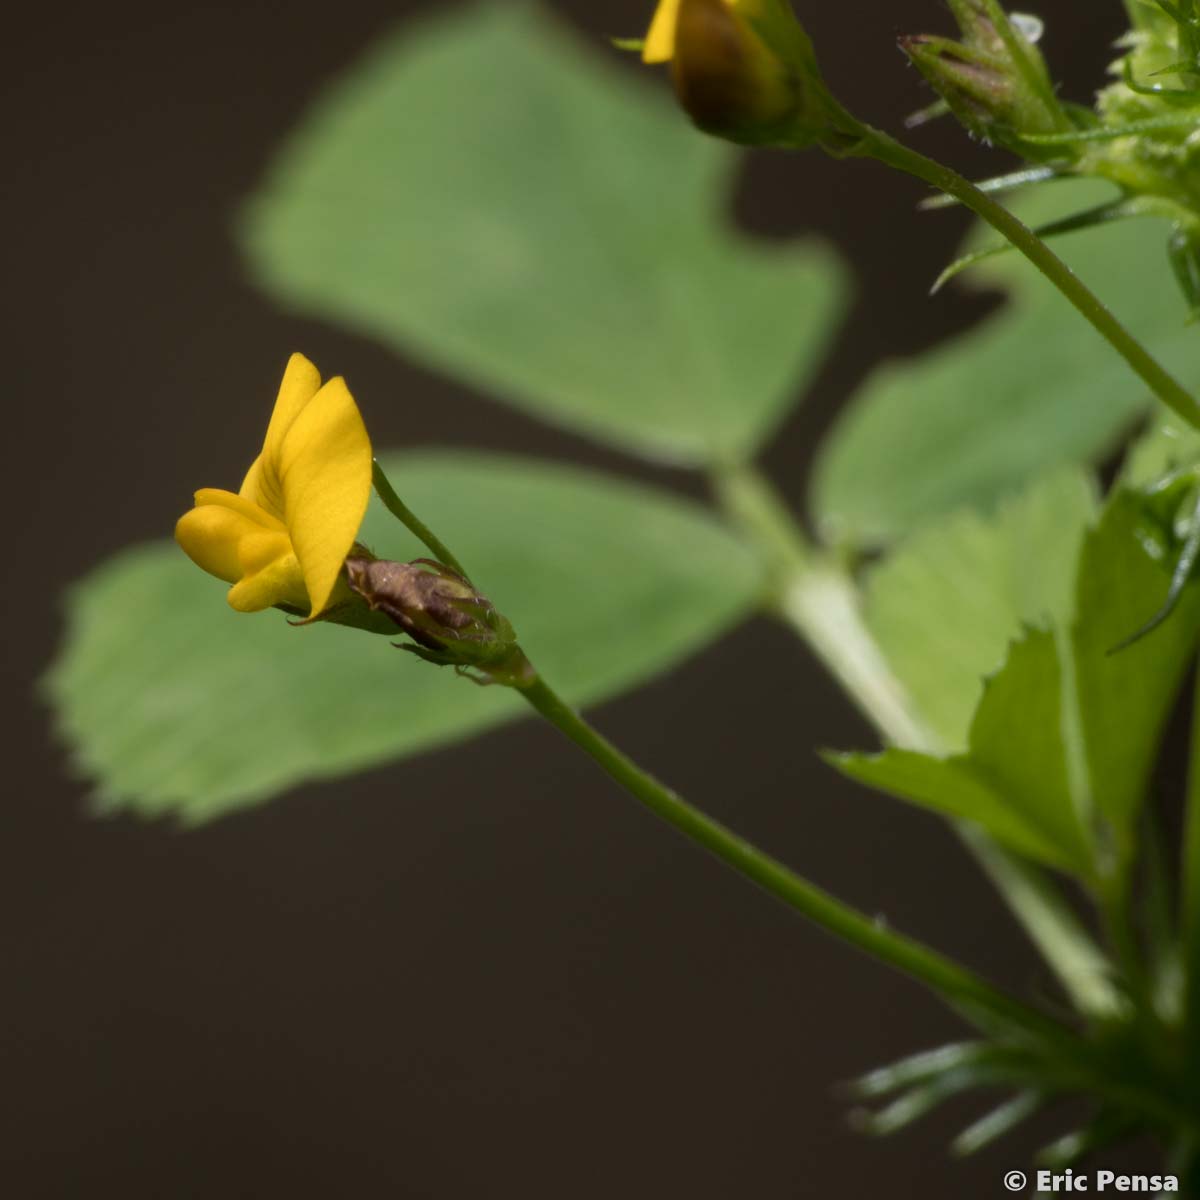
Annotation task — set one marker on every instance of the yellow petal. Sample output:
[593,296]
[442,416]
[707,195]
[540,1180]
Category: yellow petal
[660,41]
[209,536]
[259,549]
[251,488]
[324,465]
[239,504]
[263,483]
[235,540]
[278,581]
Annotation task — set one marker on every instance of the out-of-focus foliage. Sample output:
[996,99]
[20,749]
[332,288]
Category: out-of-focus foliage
[486,194]
[1124,697]
[1014,779]
[946,603]
[1031,388]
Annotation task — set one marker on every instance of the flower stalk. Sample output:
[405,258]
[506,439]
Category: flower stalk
[1161,382]
[962,988]
[410,520]
[967,992]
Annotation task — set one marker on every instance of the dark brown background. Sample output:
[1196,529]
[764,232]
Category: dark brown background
[484,972]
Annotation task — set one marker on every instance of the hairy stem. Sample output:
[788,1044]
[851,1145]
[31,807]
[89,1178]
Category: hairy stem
[959,986]
[963,988]
[1170,391]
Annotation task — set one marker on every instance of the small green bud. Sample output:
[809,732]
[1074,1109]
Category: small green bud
[977,88]
[995,80]
[745,70]
[451,623]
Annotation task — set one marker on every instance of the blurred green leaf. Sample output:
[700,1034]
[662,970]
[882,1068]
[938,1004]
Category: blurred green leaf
[1032,387]
[488,194]
[1014,779]
[946,603]
[1125,698]
[173,703]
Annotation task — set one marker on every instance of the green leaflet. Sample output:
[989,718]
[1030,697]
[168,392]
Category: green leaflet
[172,703]
[1014,779]
[945,604]
[1124,698]
[1030,388]
[1064,738]
[491,196]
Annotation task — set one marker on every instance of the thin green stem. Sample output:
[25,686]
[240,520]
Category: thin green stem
[411,521]
[1162,384]
[1110,133]
[818,600]
[955,983]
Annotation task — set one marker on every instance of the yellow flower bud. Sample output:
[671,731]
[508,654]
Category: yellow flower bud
[743,70]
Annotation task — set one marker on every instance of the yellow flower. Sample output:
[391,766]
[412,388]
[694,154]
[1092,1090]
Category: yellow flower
[744,70]
[284,537]
[661,42]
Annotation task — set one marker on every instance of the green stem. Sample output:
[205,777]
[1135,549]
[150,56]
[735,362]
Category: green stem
[820,602]
[877,144]
[1111,132]
[942,974]
[411,521]
[945,977]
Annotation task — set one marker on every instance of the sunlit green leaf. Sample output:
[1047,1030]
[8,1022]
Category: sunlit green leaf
[1032,387]
[488,194]
[945,604]
[1125,697]
[1014,779]
[172,702]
